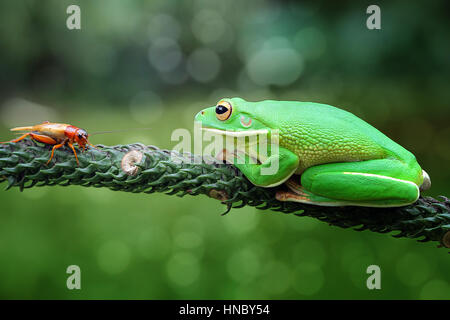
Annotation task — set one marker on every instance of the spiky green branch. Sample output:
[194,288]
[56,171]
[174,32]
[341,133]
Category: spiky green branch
[148,169]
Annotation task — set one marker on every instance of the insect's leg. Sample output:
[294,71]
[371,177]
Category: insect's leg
[93,146]
[18,139]
[74,152]
[43,138]
[54,148]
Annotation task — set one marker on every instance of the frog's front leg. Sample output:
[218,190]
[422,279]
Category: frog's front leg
[273,171]
[366,183]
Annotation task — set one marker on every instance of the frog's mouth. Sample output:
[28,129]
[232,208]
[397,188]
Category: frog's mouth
[236,134]
[242,146]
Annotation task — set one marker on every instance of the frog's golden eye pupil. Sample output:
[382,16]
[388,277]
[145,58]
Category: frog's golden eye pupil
[223,110]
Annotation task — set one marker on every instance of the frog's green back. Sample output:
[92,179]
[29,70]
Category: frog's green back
[320,133]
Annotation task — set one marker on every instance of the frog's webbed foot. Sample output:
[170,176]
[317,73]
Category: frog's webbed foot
[225,156]
[295,187]
[297,193]
[306,198]
[236,156]
[291,196]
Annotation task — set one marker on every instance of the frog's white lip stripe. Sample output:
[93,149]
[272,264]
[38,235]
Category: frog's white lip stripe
[245,133]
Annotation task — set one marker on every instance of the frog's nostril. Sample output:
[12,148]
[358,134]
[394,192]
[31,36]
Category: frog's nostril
[203,112]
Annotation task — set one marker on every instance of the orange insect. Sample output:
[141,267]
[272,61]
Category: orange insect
[56,134]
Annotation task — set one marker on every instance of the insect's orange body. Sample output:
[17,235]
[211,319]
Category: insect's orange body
[56,134]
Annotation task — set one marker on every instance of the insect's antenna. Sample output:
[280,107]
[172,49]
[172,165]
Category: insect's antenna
[93,146]
[114,131]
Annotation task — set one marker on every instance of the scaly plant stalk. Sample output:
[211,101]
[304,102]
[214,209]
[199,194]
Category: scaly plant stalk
[148,169]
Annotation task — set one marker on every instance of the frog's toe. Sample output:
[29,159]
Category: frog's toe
[225,155]
[297,193]
[290,196]
[296,188]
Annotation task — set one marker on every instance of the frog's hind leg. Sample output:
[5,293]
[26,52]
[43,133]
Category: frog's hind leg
[365,183]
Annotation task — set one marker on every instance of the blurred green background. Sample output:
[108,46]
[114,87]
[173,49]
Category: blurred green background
[155,64]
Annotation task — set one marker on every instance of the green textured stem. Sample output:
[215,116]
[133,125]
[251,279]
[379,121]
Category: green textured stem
[138,168]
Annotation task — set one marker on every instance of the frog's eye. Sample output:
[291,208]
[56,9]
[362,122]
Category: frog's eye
[223,110]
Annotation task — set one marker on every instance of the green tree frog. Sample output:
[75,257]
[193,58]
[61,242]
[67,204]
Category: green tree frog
[326,156]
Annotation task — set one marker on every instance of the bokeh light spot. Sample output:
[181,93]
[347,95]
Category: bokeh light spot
[242,223]
[164,54]
[308,278]
[188,240]
[208,26]
[355,258]
[189,224]
[113,257]
[275,67]
[176,76]
[244,265]
[163,25]
[277,278]
[435,289]
[183,269]
[203,65]
[154,243]
[310,250]
[413,269]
